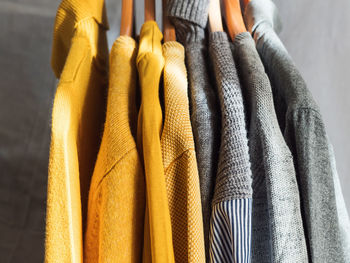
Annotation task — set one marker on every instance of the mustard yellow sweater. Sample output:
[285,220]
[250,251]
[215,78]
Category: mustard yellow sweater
[116,198]
[80,61]
[179,160]
[158,245]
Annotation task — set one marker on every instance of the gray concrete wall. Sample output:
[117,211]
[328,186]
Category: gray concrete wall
[316,35]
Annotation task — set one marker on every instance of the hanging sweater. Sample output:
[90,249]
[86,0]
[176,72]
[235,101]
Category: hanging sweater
[328,233]
[190,19]
[116,197]
[277,234]
[179,160]
[158,244]
[230,225]
[80,61]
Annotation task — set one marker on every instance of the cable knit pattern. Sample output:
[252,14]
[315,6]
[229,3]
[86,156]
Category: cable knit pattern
[204,104]
[327,231]
[179,160]
[278,236]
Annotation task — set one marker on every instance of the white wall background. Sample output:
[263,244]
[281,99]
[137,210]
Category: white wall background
[317,35]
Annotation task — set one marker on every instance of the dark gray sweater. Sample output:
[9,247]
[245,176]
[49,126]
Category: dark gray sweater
[230,225]
[277,234]
[190,18]
[233,179]
[328,235]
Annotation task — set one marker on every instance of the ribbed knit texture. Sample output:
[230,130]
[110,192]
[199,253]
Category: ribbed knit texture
[204,104]
[179,160]
[328,233]
[190,18]
[193,11]
[117,198]
[80,60]
[278,234]
[230,223]
[158,244]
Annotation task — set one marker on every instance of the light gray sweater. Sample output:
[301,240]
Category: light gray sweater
[190,18]
[325,218]
[278,234]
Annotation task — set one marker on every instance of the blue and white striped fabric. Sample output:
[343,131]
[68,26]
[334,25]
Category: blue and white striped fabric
[230,231]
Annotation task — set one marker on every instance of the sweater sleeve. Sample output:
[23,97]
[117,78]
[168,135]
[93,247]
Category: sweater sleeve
[320,195]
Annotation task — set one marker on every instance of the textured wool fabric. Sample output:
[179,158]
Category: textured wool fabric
[278,234]
[116,198]
[80,60]
[179,160]
[304,131]
[190,18]
[158,244]
[233,179]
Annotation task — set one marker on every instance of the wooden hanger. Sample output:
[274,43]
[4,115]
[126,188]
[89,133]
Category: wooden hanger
[150,10]
[234,19]
[168,28]
[245,2]
[215,21]
[126,24]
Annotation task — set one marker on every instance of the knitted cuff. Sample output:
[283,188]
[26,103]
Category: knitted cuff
[194,11]
[259,11]
[218,37]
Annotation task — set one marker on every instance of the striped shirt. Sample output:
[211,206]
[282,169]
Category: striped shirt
[230,231]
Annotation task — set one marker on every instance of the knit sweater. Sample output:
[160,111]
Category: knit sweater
[158,244]
[190,18]
[278,234]
[116,197]
[179,160]
[328,234]
[230,225]
[80,61]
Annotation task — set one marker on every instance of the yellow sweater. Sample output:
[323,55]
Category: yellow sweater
[116,198]
[158,246]
[179,160]
[80,60]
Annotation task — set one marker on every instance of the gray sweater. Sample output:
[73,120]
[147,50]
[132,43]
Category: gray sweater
[278,234]
[326,223]
[190,18]
[233,179]
[233,192]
